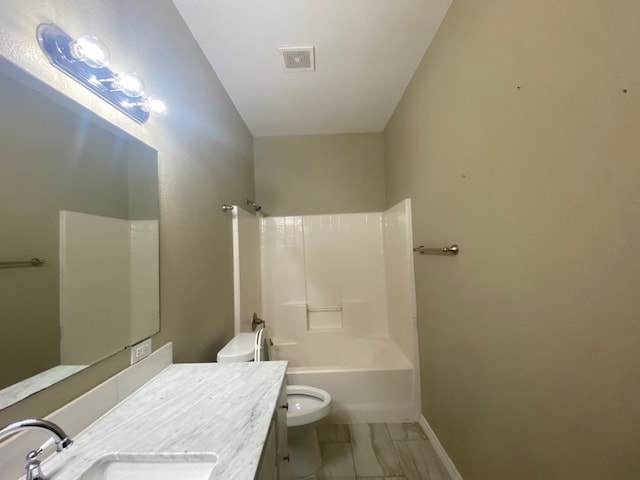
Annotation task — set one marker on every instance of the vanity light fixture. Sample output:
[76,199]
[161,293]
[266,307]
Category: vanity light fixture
[86,60]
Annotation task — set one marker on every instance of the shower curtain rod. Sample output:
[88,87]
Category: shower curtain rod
[227,208]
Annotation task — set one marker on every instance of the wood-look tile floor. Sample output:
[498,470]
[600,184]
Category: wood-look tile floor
[377,451]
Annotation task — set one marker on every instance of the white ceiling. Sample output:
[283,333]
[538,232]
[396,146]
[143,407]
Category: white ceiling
[366,53]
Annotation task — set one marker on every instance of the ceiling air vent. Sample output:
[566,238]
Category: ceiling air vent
[298,59]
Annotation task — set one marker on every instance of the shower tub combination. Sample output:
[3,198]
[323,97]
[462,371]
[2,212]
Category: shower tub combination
[337,294]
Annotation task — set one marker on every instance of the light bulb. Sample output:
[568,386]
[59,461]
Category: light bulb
[154,105]
[91,51]
[128,83]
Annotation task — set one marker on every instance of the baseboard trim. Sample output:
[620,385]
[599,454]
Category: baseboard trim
[440,451]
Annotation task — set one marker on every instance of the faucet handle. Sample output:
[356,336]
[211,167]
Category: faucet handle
[59,444]
[46,445]
[34,472]
[33,455]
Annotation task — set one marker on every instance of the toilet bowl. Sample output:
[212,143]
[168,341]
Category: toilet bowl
[306,405]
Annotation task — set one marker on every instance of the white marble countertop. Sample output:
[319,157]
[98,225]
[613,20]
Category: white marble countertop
[188,409]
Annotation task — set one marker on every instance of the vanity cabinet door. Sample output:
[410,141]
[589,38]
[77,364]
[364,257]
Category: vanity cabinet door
[268,470]
[282,438]
[274,464]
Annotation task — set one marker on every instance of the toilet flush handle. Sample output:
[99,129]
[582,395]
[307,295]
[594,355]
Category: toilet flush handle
[255,321]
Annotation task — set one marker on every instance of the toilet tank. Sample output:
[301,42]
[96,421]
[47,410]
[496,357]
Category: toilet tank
[240,348]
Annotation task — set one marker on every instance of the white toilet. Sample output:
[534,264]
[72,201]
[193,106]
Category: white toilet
[307,405]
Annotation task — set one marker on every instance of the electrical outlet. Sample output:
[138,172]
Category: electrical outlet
[140,350]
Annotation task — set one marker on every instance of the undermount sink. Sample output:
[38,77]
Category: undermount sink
[152,467]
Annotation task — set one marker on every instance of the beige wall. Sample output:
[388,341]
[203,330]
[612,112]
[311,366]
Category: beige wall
[205,160]
[316,174]
[515,140]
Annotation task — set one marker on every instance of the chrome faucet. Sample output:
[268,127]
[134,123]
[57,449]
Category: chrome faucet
[60,438]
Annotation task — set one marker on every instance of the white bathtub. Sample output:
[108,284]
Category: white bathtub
[370,380]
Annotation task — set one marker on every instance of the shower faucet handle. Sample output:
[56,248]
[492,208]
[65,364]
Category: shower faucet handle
[256,321]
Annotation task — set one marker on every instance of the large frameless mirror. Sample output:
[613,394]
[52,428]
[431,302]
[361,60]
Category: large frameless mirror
[81,196]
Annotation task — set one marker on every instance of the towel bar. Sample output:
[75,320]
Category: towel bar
[452,250]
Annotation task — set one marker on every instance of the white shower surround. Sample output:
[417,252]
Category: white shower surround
[125,252]
[338,296]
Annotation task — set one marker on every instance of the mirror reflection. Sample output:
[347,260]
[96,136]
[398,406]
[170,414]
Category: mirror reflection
[83,196]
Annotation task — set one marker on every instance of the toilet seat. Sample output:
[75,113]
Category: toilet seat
[306,405]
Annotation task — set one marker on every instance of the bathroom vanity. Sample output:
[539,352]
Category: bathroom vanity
[230,419]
